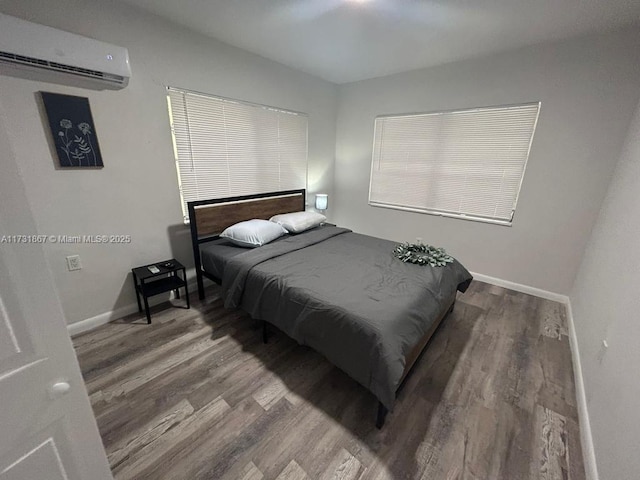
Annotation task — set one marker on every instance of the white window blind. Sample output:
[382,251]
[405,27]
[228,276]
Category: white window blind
[227,148]
[466,164]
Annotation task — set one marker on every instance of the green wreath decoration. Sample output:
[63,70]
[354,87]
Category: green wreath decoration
[422,254]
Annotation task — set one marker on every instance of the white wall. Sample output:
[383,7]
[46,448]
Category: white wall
[136,193]
[606,306]
[588,88]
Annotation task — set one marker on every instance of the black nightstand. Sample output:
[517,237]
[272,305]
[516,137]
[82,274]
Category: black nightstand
[148,284]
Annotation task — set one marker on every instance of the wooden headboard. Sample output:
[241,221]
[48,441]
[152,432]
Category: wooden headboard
[208,218]
[211,217]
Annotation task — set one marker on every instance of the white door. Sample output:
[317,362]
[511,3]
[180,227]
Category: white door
[47,427]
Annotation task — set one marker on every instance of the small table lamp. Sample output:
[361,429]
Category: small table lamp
[322,201]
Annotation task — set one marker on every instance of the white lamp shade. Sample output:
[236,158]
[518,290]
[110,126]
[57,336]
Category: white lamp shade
[322,201]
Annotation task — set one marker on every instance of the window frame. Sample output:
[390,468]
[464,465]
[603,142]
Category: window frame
[435,212]
[184,204]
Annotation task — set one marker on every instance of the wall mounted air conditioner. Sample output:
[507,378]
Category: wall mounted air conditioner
[37,52]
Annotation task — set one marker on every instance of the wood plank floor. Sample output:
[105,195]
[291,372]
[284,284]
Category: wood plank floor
[197,395]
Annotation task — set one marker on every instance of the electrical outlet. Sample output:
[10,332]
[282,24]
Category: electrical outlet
[73,263]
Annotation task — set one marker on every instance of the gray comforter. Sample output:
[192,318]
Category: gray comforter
[346,296]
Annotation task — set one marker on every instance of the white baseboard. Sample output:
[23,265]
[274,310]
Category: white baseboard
[518,287]
[588,451]
[106,317]
[94,322]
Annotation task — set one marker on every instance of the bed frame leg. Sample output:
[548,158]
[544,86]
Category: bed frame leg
[200,286]
[382,415]
[451,307]
[265,332]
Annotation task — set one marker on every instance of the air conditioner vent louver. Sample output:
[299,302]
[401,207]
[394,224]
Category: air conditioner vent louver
[60,67]
[21,59]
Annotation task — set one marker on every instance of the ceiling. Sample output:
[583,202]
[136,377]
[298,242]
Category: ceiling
[349,40]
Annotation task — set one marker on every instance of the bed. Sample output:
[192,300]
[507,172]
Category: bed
[341,293]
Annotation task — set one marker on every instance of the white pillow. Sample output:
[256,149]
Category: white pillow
[299,221]
[253,233]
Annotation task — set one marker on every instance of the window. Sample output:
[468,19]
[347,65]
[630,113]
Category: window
[226,147]
[465,164]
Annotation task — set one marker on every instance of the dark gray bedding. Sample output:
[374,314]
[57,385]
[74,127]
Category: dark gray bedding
[215,254]
[346,296]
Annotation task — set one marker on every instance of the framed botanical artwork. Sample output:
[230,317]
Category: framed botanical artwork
[73,130]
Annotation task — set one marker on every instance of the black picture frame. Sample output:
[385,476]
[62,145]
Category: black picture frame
[73,131]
